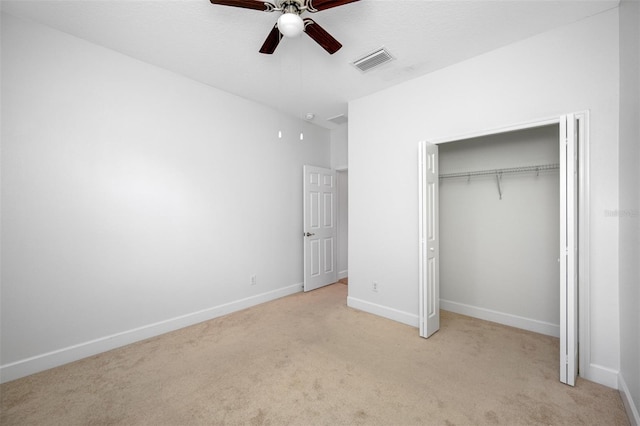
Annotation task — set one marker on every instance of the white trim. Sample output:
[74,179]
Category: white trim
[35,364]
[340,207]
[529,324]
[383,311]
[584,277]
[627,400]
[497,130]
[602,375]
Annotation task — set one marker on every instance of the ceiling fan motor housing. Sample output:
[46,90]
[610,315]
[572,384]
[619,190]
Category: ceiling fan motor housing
[292,6]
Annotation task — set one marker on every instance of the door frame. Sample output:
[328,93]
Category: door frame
[342,228]
[582,147]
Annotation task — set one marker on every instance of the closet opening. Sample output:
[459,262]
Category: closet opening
[499,226]
[500,214]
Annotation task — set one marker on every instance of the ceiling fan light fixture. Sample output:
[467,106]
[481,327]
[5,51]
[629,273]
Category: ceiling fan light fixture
[290,25]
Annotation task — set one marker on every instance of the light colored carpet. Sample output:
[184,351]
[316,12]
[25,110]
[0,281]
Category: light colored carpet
[307,359]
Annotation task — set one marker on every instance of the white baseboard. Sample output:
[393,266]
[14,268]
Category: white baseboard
[25,367]
[629,405]
[447,305]
[501,318]
[599,374]
[343,274]
[383,311]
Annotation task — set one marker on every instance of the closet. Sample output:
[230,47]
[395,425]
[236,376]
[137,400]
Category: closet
[499,225]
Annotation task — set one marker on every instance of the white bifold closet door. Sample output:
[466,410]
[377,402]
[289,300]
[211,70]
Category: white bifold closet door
[428,207]
[569,133]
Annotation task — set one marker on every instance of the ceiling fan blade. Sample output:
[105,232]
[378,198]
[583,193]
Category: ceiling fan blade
[272,41]
[246,4]
[317,5]
[321,37]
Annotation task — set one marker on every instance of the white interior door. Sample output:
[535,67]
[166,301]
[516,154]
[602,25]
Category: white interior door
[428,232]
[320,229]
[568,250]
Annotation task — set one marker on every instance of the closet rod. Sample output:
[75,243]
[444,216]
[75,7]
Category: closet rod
[502,171]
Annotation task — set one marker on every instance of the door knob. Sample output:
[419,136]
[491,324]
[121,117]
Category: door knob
[308,234]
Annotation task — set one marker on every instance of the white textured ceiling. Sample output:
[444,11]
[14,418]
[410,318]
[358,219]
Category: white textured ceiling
[218,45]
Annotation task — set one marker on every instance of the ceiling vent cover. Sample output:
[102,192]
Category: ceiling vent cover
[338,119]
[373,60]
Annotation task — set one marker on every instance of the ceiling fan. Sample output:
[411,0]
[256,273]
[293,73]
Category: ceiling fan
[290,24]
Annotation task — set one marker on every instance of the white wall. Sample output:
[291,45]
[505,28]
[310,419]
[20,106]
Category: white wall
[339,144]
[572,68]
[135,201]
[629,207]
[499,257]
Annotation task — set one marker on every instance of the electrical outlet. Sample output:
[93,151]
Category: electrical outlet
[254,280]
[374,286]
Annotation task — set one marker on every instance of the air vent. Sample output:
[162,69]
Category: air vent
[338,119]
[373,60]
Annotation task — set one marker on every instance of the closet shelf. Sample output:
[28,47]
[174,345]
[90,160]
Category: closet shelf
[494,172]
